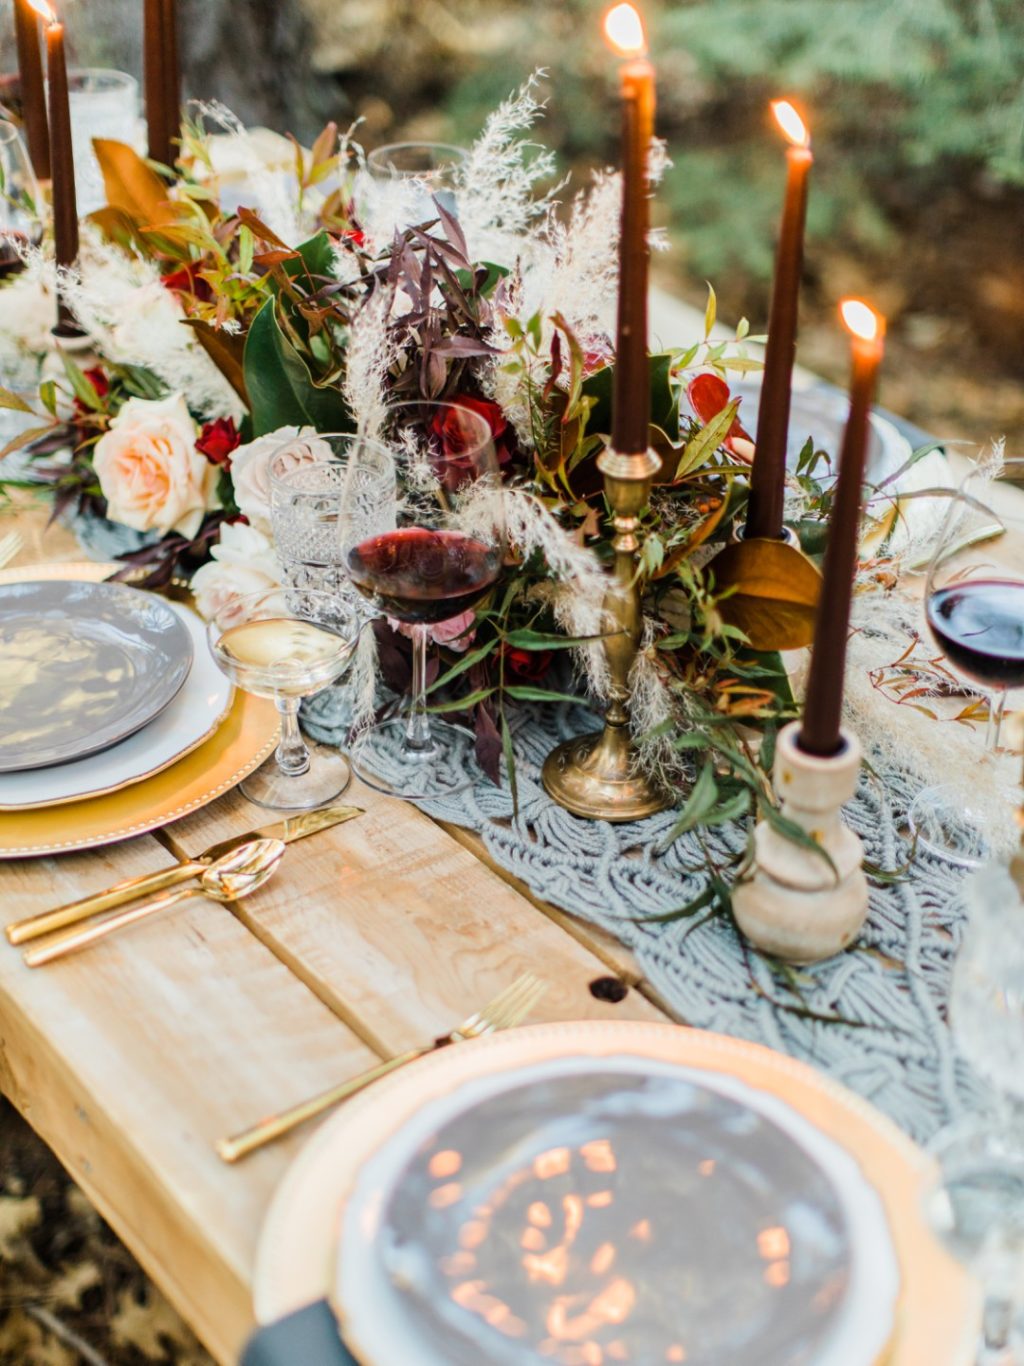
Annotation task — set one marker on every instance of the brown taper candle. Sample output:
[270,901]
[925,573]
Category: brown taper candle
[768,475]
[30,81]
[631,402]
[153,39]
[820,731]
[172,72]
[62,164]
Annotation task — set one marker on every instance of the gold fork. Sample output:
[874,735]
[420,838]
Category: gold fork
[508,1008]
[10,545]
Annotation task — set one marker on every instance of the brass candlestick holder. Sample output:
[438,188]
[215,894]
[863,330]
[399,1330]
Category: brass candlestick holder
[599,776]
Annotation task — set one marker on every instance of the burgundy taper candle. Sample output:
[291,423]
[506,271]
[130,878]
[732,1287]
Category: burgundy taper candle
[631,400]
[159,135]
[820,730]
[30,83]
[62,164]
[768,474]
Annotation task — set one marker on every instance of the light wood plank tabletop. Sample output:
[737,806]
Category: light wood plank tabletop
[132,1058]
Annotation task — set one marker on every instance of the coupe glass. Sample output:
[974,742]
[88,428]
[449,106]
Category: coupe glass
[974,603]
[423,536]
[406,177]
[20,223]
[287,644]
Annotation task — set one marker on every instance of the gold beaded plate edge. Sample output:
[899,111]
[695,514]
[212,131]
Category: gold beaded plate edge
[937,1311]
[244,739]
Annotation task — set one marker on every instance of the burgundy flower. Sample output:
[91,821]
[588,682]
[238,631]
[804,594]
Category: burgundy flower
[708,395]
[218,440]
[528,665]
[187,280]
[455,457]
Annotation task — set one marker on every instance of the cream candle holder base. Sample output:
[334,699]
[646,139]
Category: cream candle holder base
[796,905]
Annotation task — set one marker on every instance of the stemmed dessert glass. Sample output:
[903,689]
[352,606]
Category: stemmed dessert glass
[287,644]
[424,540]
[974,604]
[20,223]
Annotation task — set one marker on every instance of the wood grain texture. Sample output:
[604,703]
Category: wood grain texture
[132,1058]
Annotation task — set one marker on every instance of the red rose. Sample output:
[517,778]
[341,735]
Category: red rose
[528,665]
[456,453]
[186,280]
[354,235]
[97,377]
[218,440]
[708,396]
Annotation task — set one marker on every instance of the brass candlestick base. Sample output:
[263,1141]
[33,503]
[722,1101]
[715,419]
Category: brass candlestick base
[599,776]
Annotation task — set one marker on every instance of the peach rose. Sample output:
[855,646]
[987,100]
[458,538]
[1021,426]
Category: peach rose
[149,470]
[250,467]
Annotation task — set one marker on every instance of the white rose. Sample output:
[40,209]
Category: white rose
[149,470]
[243,562]
[250,467]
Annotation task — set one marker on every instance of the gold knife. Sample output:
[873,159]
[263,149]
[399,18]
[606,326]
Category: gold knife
[294,828]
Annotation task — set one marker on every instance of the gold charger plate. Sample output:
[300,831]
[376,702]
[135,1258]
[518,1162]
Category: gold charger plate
[245,737]
[937,1312]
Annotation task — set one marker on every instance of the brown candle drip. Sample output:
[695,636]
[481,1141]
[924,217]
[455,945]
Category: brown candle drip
[820,732]
[631,403]
[33,95]
[62,164]
[768,475]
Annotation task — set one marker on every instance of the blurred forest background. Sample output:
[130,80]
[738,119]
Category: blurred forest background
[917,111]
[916,106]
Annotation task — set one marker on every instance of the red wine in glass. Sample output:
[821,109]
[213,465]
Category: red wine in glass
[422,576]
[10,259]
[979,623]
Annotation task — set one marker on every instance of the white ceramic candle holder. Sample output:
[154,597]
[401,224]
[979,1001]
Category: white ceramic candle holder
[796,906]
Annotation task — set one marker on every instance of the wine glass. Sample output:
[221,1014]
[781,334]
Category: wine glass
[423,535]
[20,222]
[974,605]
[287,644]
[407,177]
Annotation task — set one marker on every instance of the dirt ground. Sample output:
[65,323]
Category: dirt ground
[70,1293]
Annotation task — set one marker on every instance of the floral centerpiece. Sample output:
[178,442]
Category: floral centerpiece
[221,331]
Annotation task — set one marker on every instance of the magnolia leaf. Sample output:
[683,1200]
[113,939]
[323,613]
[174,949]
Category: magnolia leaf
[664,399]
[226,350]
[131,185]
[117,226]
[775,593]
[282,391]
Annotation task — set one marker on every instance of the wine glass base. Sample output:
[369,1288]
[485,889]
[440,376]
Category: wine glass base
[946,828]
[385,761]
[327,777]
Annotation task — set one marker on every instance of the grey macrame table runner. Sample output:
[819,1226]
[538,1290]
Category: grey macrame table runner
[896,1049]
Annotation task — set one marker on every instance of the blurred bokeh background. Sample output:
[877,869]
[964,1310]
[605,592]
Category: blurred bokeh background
[916,106]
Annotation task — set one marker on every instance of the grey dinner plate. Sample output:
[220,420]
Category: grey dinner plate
[82,666]
[615,1217]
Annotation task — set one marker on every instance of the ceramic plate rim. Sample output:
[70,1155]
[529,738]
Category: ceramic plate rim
[184,611]
[295,1253]
[141,719]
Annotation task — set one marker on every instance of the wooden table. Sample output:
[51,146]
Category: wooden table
[130,1059]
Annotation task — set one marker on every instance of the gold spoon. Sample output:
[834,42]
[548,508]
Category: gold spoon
[237,874]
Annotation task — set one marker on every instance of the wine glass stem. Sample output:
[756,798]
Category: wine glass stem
[417,730]
[996,708]
[292,752]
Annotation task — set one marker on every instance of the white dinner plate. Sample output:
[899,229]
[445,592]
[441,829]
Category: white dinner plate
[193,715]
[318,1239]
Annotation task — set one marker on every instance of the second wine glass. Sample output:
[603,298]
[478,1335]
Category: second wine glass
[412,552]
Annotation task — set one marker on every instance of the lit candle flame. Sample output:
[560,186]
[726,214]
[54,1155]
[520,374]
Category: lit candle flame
[789,120]
[862,320]
[624,30]
[44,9]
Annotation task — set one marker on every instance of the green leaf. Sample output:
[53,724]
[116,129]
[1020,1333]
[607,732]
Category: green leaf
[664,397]
[701,800]
[25,439]
[707,897]
[711,311]
[796,833]
[702,447]
[510,762]
[467,661]
[280,387]
[524,693]
[525,639]
[8,399]
[463,703]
